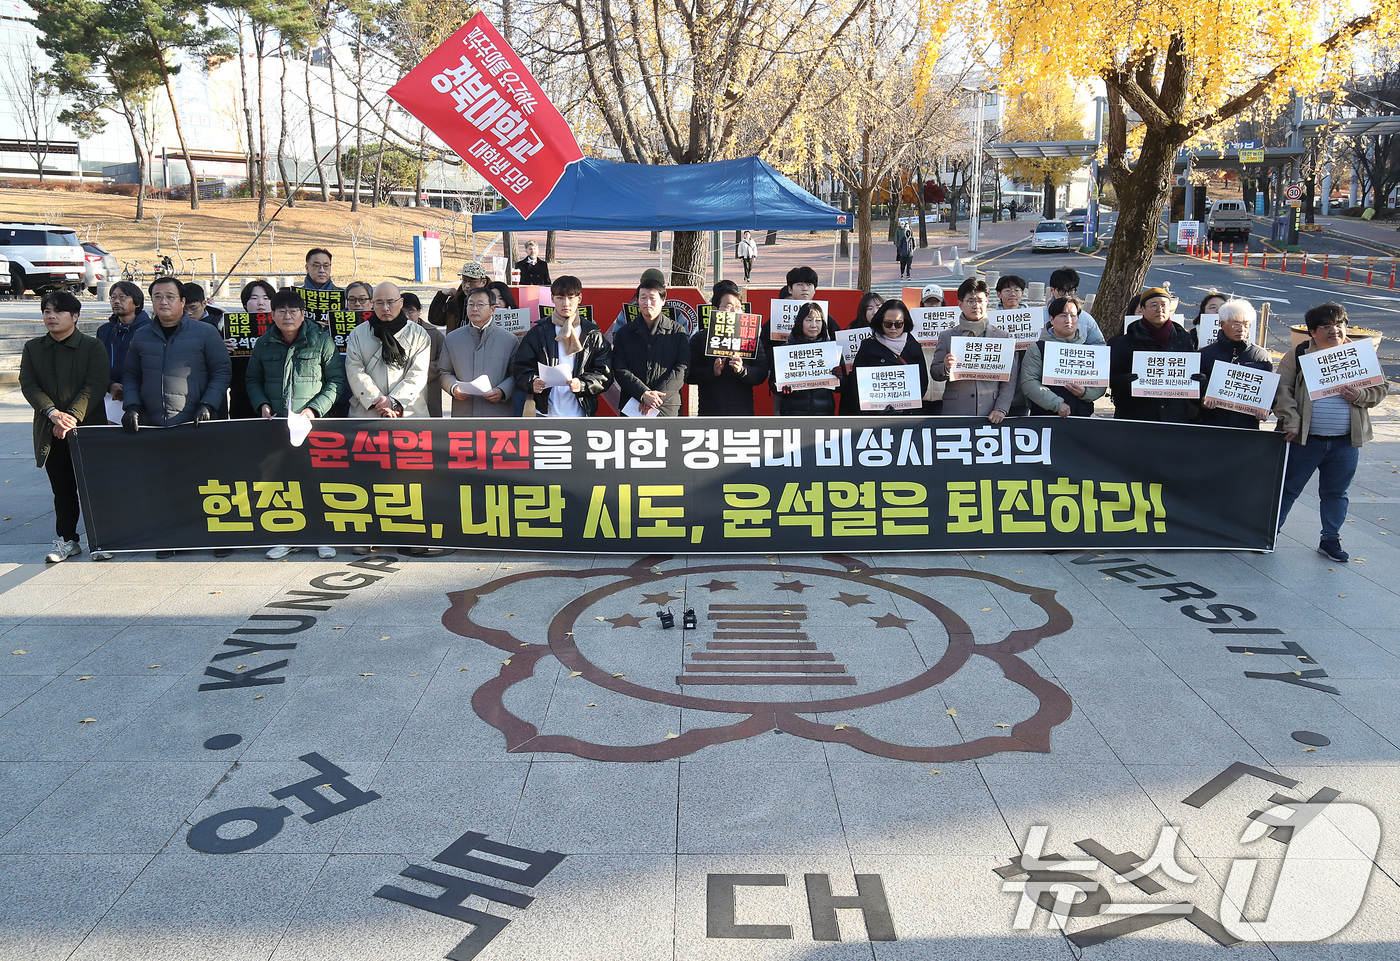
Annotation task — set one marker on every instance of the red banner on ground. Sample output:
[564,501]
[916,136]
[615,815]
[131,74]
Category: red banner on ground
[475,93]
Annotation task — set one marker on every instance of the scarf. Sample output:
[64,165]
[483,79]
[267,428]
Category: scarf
[394,354]
[567,336]
[1162,335]
[978,328]
[895,344]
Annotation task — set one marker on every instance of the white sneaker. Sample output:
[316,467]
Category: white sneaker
[277,553]
[100,555]
[325,553]
[62,550]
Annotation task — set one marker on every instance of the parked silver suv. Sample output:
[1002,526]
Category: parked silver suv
[42,256]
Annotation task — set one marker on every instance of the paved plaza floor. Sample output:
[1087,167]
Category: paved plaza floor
[506,756]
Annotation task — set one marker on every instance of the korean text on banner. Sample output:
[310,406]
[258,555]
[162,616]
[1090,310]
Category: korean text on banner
[929,322]
[888,388]
[981,358]
[1353,364]
[1024,324]
[1244,389]
[782,315]
[475,93]
[1080,364]
[1166,374]
[806,365]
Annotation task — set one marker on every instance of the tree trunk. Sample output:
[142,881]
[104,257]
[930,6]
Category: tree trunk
[770,239]
[359,117]
[288,185]
[422,164]
[655,241]
[1048,198]
[141,161]
[379,164]
[259,44]
[311,122]
[335,118]
[921,202]
[247,107]
[550,249]
[175,114]
[1142,194]
[953,197]
[690,255]
[865,193]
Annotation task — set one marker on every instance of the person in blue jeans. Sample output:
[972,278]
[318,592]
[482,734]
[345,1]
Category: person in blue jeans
[1324,435]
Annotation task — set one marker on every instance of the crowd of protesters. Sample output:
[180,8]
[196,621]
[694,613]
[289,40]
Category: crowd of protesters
[171,366]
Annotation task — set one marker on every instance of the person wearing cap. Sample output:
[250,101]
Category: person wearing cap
[449,307]
[932,296]
[534,269]
[651,354]
[1325,435]
[1156,332]
[973,398]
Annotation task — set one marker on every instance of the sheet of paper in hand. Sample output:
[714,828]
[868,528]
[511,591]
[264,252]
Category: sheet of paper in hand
[895,387]
[806,365]
[1245,389]
[1353,364]
[1079,364]
[1166,374]
[981,358]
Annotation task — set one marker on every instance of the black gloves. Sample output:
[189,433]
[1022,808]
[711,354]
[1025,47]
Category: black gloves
[202,413]
[131,421]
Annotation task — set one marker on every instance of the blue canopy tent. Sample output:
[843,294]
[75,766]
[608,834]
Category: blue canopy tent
[724,195]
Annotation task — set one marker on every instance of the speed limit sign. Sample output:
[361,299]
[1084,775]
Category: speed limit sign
[1295,192]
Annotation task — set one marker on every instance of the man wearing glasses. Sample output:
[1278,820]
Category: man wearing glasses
[1324,435]
[294,369]
[386,361]
[177,370]
[358,294]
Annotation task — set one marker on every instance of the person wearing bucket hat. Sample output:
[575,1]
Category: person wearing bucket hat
[449,307]
[1154,332]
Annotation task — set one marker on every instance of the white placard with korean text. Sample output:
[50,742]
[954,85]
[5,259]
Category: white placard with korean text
[805,366]
[981,358]
[782,314]
[1080,364]
[1353,364]
[1166,374]
[850,341]
[929,322]
[1245,389]
[515,321]
[1022,323]
[895,386]
[1208,328]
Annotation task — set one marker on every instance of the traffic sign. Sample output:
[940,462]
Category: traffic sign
[1294,192]
[1252,156]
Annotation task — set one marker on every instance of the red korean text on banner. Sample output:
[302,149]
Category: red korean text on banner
[474,93]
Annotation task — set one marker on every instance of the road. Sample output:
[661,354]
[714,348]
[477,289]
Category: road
[1288,295]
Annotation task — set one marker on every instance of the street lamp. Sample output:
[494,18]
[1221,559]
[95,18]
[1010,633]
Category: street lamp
[978,132]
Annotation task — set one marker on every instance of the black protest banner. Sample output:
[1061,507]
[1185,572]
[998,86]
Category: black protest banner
[696,485]
[730,333]
[344,321]
[320,304]
[244,329]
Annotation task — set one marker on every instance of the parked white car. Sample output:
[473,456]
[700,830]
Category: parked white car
[1050,235]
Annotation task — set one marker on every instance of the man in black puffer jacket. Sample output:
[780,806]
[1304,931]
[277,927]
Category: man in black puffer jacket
[1232,346]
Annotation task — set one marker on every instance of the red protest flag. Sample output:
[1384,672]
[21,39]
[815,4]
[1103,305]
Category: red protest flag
[475,93]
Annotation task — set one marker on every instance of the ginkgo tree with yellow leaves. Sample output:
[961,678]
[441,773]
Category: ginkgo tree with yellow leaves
[1045,111]
[1185,70]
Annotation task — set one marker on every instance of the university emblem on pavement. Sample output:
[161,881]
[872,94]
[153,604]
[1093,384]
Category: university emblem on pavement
[891,661]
